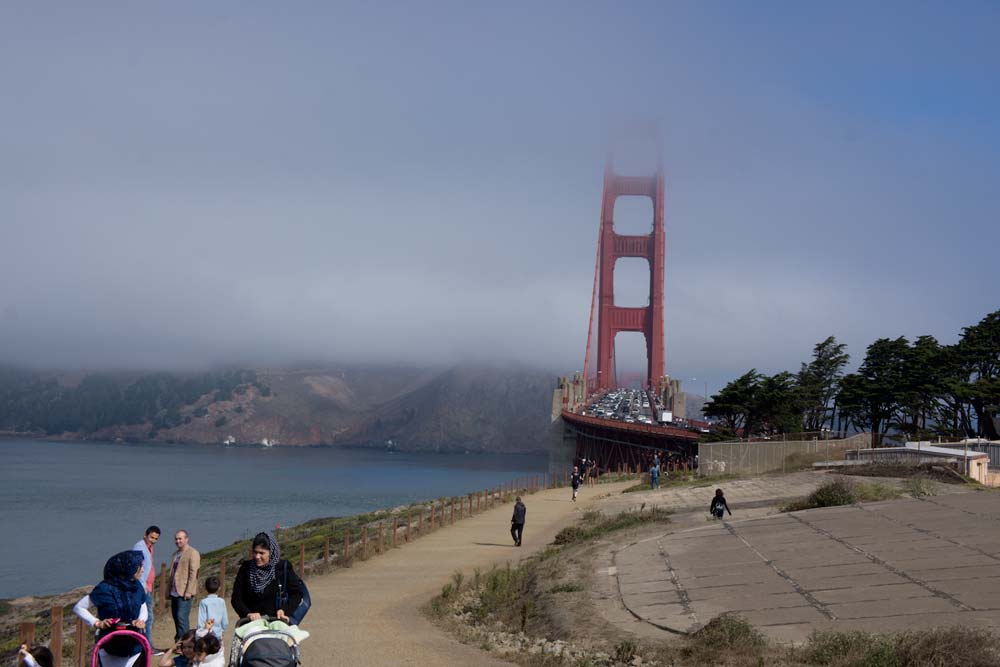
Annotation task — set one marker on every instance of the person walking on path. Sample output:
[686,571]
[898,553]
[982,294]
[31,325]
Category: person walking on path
[517,521]
[719,505]
[145,547]
[183,582]
[266,585]
[654,477]
[574,481]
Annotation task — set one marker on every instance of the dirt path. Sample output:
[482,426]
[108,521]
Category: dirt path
[370,614]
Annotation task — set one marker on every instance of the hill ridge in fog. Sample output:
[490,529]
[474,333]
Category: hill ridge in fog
[466,407]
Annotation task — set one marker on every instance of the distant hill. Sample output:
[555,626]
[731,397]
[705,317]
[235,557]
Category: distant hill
[463,408]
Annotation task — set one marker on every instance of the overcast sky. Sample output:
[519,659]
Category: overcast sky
[184,184]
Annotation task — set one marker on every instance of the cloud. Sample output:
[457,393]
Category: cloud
[182,187]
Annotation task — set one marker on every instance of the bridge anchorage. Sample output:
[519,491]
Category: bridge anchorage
[594,417]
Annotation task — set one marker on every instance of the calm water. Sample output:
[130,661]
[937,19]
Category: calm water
[67,506]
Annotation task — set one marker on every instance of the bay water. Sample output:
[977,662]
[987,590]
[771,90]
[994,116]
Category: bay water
[65,507]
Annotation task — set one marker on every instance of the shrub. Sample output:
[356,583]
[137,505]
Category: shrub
[842,491]
[919,487]
[595,524]
[727,634]
[834,493]
[969,647]
[851,648]
[625,651]
[869,492]
[570,587]
[730,632]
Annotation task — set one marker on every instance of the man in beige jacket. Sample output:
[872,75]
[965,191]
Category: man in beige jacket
[183,582]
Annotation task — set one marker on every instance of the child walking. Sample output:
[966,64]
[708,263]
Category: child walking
[719,505]
[213,608]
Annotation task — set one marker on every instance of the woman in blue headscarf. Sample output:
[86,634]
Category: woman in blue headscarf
[120,600]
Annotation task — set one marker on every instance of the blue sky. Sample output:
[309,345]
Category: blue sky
[183,185]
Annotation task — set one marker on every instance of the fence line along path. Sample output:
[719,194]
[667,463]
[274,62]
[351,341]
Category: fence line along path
[370,613]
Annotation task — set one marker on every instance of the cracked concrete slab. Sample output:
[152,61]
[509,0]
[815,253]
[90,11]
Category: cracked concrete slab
[880,567]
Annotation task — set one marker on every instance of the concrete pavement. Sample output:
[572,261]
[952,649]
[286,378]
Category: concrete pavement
[885,566]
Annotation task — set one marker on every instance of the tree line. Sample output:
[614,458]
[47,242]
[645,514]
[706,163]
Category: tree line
[920,389]
[34,403]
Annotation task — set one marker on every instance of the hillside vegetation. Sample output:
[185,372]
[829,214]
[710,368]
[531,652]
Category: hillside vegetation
[416,409]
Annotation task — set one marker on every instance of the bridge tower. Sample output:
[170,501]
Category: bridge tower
[612,319]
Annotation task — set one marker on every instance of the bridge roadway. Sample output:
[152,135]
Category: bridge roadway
[370,614]
[612,442]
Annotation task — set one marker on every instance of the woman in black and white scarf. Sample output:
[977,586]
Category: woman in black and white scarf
[266,585]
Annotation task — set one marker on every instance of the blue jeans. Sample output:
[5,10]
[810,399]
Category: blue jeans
[180,609]
[149,618]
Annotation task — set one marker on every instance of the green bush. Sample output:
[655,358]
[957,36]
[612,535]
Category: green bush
[937,647]
[918,487]
[834,493]
[841,491]
[851,648]
[570,587]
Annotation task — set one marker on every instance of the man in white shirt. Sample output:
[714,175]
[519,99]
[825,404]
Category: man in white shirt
[145,546]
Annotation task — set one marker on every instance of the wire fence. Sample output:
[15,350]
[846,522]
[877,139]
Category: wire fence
[754,458]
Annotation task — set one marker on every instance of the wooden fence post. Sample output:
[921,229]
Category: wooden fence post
[380,543]
[79,651]
[364,541]
[433,506]
[326,550]
[395,529]
[28,634]
[302,559]
[420,522]
[164,587]
[406,538]
[55,636]
[347,547]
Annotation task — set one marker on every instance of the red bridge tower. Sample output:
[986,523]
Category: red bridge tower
[612,319]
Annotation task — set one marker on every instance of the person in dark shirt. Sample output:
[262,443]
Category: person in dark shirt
[719,505]
[517,521]
[267,585]
[575,480]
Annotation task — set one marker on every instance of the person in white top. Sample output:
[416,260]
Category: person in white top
[119,599]
[36,656]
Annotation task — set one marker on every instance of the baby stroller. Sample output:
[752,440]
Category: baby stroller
[265,646]
[120,641]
